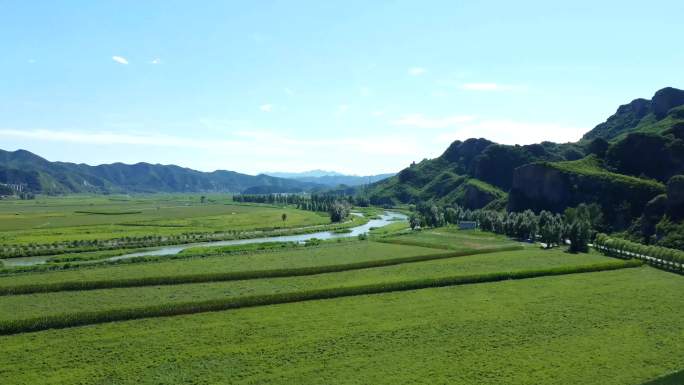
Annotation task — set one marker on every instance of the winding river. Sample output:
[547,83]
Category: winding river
[385,219]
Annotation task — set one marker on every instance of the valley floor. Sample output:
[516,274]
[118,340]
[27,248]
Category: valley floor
[438,306]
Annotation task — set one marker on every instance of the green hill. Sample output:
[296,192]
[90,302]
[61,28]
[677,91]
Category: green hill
[641,115]
[35,174]
[622,164]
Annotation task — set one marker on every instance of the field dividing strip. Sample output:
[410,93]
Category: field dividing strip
[676,378]
[187,308]
[236,275]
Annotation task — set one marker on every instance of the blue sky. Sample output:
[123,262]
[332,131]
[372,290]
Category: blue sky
[356,86]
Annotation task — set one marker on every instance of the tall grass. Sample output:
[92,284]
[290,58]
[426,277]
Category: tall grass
[174,309]
[234,275]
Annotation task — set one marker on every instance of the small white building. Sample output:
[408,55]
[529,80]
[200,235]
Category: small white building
[467,225]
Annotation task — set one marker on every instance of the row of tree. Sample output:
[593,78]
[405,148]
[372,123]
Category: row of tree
[551,229]
[654,255]
[339,207]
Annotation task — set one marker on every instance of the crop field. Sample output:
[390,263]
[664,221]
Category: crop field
[327,254]
[400,306]
[36,305]
[48,220]
[617,327]
[449,238]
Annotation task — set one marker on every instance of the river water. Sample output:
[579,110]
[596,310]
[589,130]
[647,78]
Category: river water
[385,219]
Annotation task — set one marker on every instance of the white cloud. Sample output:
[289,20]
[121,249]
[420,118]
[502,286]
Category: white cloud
[32,61]
[289,91]
[103,137]
[416,71]
[266,107]
[120,60]
[489,87]
[378,113]
[155,61]
[421,121]
[514,132]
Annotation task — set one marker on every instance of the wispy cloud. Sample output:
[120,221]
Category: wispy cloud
[289,91]
[489,87]
[103,137]
[155,61]
[421,121]
[416,71]
[120,59]
[266,107]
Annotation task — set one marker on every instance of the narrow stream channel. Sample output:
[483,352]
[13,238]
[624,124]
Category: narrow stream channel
[385,219]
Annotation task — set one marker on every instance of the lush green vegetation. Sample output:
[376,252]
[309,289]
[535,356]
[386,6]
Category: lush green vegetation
[226,303]
[592,166]
[451,238]
[330,253]
[518,332]
[37,175]
[621,166]
[417,301]
[439,267]
[52,225]
[234,275]
[660,257]
[672,379]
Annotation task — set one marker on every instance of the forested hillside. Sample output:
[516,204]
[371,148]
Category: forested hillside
[630,165]
[29,172]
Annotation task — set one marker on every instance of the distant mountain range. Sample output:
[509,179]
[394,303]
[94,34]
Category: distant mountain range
[330,178]
[304,174]
[24,170]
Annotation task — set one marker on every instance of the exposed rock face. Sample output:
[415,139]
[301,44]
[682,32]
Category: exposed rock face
[475,198]
[675,197]
[654,210]
[666,99]
[538,187]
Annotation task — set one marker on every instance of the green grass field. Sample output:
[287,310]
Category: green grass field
[326,254]
[36,305]
[432,306]
[47,220]
[449,238]
[599,328]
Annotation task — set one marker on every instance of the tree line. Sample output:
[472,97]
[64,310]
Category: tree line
[338,207]
[578,225]
[662,257]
